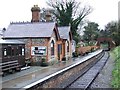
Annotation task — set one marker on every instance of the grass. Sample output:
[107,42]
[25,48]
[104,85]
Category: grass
[116,71]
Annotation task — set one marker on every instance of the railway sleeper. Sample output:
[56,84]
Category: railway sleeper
[91,75]
[74,77]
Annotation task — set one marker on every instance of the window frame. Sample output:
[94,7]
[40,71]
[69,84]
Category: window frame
[68,46]
[52,46]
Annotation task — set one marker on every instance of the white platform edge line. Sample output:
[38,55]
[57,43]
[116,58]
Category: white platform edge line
[54,74]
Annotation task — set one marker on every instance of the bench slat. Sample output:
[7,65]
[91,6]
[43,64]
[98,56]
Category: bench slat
[10,68]
[8,65]
[9,62]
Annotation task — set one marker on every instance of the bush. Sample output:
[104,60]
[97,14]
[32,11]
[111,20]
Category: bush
[64,59]
[75,54]
[92,49]
[27,62]
[53,61]
[43,62]
[116,71]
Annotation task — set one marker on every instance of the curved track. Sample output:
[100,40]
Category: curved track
[88,78]
[56,76]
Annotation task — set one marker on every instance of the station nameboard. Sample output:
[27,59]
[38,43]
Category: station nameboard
[38,50]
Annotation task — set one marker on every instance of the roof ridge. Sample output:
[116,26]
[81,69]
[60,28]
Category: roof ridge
[27,22]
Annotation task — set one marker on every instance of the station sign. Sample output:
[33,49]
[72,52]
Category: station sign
[39,50]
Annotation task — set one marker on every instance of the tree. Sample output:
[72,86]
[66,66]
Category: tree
[91,31]
[69,13]
[44,12]
[113,31]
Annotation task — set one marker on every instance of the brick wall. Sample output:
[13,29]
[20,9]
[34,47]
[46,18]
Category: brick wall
[29,42]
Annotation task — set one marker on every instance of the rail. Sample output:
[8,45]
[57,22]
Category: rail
[84,82]
[63,70]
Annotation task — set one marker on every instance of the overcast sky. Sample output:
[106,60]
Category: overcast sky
[104,11]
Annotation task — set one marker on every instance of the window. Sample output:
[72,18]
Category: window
[23,51]
[20,50]
[52,47]
[17,53]
[8,51]
[5,52]
[60,48]
[12,51]
[67,46]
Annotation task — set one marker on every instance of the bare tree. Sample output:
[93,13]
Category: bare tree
[69,12]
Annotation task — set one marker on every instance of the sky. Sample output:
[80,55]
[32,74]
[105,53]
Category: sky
[103,12]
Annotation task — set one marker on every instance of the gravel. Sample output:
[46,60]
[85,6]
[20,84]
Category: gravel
[103,80]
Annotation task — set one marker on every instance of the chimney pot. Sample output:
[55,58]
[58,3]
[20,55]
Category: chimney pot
[35,13]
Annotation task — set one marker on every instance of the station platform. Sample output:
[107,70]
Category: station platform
[35,73]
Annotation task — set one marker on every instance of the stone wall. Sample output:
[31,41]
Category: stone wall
[33,42]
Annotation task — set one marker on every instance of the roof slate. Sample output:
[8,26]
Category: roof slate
[22,30]
[64,32]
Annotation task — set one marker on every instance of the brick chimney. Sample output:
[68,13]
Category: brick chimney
[35,13]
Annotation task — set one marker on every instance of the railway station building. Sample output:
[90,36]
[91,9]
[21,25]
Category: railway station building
[42,39]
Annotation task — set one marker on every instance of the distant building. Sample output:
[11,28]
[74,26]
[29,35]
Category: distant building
[42,39]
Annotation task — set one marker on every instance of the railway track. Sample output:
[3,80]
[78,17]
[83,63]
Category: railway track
[57,79]
[85,81]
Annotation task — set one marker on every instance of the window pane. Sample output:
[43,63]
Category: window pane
[5,52]
[67,46]
[23,51]
[52,48]
[9,51]
[20,50]
[17,51]
[61,48]
[12,51]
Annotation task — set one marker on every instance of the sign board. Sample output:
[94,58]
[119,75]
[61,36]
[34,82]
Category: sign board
[38,50]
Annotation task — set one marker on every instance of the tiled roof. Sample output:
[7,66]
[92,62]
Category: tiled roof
[10,42]
[21,30]
[64,32]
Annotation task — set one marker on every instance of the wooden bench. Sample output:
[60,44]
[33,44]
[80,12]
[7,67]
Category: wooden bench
[10,66]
